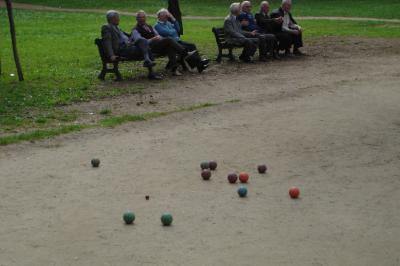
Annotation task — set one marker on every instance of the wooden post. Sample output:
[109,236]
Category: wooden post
[14,40]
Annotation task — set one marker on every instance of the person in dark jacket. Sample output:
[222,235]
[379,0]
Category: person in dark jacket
[289,25]
[267,42]
[273,26]
[174,9]
[118,44]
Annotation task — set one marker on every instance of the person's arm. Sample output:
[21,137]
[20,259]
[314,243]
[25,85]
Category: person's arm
[289,30]
[164,30]
[177,26]
[136,35]
[228,27]
[107,41]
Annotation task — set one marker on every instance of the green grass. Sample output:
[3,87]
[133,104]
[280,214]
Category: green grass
[356,8]
[107,122]
[61,62]
[40,134]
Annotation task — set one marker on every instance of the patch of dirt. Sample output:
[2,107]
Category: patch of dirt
[217,85]
[327,123]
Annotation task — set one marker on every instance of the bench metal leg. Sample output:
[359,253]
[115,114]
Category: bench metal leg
[219,57]
[117,73]
[103,72]
[230,55]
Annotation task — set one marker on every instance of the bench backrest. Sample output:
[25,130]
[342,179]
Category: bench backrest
[219,36]
[99,43]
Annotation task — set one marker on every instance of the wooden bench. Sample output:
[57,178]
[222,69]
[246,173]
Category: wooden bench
[115,64]
[223,45]
[106,61]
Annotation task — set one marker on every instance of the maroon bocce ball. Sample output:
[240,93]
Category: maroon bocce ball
[206,174]
[213,165]
[232,178]
[262,169]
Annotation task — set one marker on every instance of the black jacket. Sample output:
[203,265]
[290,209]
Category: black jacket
[280,13]
[267,24]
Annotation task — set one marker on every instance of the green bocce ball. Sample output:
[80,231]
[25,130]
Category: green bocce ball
[129,217]
[166,219]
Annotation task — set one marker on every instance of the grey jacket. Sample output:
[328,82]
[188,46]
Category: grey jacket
[111,39]
[233,30]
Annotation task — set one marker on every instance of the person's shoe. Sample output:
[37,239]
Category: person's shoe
[154,76]
[263,59]
[202,67]
[176,73]
[149,64]
[288,54]
[245,59]
[276,55]
[297,52]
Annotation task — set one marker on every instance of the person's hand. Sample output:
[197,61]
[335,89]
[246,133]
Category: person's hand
[245,23]
[279,20]
[171,16]
[300,29]
[254,32]
[114,58]
[156,38]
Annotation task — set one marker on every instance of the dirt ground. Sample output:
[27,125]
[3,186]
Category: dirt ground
[328,123]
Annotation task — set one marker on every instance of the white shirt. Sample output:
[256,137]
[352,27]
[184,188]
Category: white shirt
[288,25]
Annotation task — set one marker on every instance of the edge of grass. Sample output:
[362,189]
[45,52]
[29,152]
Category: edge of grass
[105,123]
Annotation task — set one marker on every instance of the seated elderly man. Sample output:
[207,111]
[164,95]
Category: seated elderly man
[168,26]
[273,26]
[236,36]
[267,42]
[289,25]
[117,44]
[158,44]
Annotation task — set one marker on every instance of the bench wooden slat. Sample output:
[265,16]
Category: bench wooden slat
[220,38]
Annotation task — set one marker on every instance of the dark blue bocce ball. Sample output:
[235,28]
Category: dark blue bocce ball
[242,191]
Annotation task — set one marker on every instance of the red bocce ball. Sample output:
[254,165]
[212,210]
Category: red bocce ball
[294,192]
[243,177]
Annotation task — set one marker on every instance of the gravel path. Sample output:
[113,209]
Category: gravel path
[328,123]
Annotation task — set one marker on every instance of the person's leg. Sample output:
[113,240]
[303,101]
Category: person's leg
[284,40]
[170,47]
[249,49]
[133,52]
[143,46]
[297,43]
[188,46]
[262,47]
[272,45]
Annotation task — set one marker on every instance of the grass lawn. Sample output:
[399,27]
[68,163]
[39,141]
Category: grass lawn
[61,62]
[357,8]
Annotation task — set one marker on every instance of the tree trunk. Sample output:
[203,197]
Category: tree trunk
[14,40]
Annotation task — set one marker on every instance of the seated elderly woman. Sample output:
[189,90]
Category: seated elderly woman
[168,26]
[158,44]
